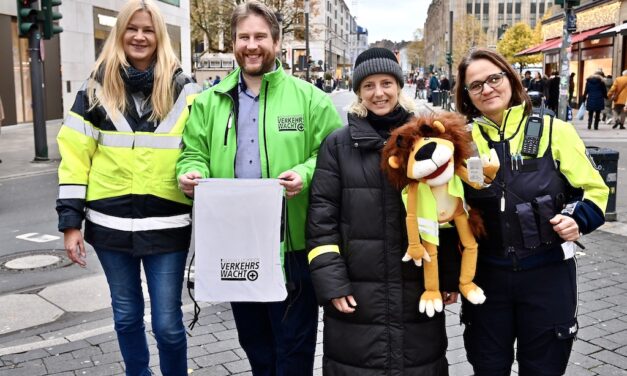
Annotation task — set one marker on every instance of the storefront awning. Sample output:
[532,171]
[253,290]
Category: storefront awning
[619,29]
[546,45]
[556,43]
[588,34]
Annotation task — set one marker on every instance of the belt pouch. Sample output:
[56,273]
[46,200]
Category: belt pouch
[528,225]
[546,211]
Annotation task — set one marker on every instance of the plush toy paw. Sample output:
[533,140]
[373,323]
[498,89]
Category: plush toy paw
[416,253]
[473,293]
[430,303]
[491,166]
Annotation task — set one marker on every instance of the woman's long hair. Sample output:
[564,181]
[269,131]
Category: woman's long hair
[107,70]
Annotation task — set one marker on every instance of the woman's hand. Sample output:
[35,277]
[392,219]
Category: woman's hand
[74,246]
[449,297]
[345,304]
[566,227]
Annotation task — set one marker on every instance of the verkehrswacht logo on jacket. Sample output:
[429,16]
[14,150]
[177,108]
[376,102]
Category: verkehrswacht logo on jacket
[291,123]
[239,269]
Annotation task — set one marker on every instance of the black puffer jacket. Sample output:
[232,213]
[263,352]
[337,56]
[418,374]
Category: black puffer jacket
[354,208]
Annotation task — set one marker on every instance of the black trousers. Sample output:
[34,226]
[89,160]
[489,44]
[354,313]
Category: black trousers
[279,338]
[535,307]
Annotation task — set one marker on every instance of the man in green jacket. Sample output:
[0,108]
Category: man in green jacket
[261,123]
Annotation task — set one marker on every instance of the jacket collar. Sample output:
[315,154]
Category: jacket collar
[511,122]
[231,81]
[363,134]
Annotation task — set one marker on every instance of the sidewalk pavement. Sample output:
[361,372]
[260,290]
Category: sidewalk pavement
[66,329]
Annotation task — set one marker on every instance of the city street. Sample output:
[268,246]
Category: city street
[55,317]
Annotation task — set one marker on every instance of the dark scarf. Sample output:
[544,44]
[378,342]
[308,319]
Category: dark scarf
[386,123]
[136,80]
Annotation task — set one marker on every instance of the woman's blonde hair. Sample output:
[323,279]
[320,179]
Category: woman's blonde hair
[357,108]
[112,59]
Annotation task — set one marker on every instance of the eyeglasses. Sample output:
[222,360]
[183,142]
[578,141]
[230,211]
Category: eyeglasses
[493,80]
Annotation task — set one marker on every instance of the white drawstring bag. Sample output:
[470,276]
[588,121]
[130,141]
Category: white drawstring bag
[582,111]
[237,239]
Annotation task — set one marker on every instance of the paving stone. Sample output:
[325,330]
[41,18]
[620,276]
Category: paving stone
[68,347]
[612,358]
[110,346]
[30,368]
[609,370]
[102,338]
[108,358]
[88,352]
[65,362]
[605,343]
[461,369]
[591,332]
[216,358]
[218,370]
[195,351]
[102,370]
[226,334]
[575,370]
[25,356]
[217,347]
[201,340]
[585,361]
[585,348]
[238,366]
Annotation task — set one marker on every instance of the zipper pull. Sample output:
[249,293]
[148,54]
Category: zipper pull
[503,202]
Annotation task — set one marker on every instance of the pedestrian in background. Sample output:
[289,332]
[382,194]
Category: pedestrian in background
[1,118]
[526,80]
[607,111]
[553,95]
[356,240]
[234,132]
[618,93]
[533,210]
[594,96]
[571,88]
[119,145]
[421,88]
[537,84]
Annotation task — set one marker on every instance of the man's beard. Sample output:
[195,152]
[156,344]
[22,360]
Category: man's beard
[266,66]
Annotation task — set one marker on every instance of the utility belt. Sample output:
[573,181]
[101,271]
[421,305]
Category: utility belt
[512,262]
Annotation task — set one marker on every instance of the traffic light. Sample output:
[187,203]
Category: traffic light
[570,3]
[449,58]
[49,17]
[26,17]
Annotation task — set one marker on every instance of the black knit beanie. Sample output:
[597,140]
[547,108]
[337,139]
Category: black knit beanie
[376,60]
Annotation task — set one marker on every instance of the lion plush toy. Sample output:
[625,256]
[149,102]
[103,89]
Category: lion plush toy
[426,157]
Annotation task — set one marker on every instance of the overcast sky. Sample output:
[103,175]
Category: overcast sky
[395,20]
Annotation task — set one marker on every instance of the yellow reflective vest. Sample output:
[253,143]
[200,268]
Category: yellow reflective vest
[118,173]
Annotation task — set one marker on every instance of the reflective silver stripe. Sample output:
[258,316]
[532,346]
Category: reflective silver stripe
[116,140]
[72,191]
[158,142]
[179,106]
[139,140]
[138,224]
[117,119]
[428,227]
[79,125]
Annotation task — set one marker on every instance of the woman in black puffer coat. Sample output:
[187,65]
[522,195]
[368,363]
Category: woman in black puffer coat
[357,238]
[594,96]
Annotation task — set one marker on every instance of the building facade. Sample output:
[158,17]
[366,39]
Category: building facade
[495,17]
[69,57]
[595,44]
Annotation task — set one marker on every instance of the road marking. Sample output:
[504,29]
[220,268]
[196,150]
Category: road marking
[37,237]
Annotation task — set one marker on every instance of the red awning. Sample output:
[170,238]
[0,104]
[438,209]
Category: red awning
[546,45]
[579,37]
[557,42]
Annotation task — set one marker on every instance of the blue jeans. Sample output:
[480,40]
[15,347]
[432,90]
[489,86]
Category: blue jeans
[164,275]
[279,338]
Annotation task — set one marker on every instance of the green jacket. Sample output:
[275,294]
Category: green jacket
[295,118]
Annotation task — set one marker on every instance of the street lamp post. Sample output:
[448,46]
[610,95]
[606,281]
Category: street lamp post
[450,41]
[307,40]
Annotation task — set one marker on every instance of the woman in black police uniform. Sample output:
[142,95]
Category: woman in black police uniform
[539,203]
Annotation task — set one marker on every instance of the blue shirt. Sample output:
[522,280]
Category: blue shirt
[247,160]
